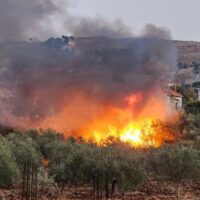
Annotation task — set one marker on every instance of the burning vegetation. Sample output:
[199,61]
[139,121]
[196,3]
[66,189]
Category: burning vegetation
[89,109]
[140,130]
[101,84]
[94,87]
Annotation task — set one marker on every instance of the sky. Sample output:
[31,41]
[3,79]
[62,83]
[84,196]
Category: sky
[181,17]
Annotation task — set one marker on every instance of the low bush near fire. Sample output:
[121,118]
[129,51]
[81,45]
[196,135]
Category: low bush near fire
[177,163]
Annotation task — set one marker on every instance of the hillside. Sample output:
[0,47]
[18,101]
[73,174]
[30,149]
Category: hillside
[188,51]
[100,48]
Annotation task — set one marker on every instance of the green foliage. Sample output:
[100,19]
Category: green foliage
[46,141]
[188,93]
[193,108]
[45,182]
[111,165]
[132,169]
[24,149]
[66,164]
[74,162]
[9,171]
[177,163]
[189,127]
[196,145]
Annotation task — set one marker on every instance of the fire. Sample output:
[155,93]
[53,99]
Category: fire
[134,135]
[137,121]
[141,129]
[144,134]
[134,98]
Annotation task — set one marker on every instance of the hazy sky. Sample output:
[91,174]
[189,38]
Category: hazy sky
[181,17]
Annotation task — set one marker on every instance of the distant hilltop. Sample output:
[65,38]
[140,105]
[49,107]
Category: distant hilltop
[189,52]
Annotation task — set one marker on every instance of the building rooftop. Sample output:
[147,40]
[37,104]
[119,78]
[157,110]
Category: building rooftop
[172,93]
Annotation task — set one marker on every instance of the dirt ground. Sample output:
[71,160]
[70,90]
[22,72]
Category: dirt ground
[150,190]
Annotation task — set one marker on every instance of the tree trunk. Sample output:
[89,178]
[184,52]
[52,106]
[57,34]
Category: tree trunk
[94,186]
[28,181]
[107,187]
[101,185]
[97,186]
[177,190]
[23,182]
[113,186]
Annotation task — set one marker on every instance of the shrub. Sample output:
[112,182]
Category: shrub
[9,171]
[105,167]
[190,127]
[47,141]
[24,149]
[177,163]
[193,108]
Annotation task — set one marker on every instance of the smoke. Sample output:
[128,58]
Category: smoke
[64,83]
[77,81]
[151,30]
[25,19]
[86,27]
[21,19]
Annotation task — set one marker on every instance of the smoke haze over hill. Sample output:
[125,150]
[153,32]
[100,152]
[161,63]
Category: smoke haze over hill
[78,79]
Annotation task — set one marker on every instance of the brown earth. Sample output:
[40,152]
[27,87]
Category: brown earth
[149,190]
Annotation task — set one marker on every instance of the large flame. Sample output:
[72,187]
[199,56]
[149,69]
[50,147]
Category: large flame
[139,127]
[136,121]
[140,134]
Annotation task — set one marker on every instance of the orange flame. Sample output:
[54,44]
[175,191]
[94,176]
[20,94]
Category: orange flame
[134,98]
[126,124]
[132,123]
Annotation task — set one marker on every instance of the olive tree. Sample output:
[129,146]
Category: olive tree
[9,171]
[24,149]
[111,166]
[177,163]
[46,141]
[65,165]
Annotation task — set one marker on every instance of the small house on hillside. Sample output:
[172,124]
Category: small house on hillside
[174,99]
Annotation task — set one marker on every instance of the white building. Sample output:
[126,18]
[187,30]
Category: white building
[174,99]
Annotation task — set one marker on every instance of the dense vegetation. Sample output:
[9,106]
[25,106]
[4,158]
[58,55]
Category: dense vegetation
[193,107]
[188,93]
[107,167]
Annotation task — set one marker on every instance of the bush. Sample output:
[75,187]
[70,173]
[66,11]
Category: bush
[193,108]
[46,141]
[190,127]
[132,169]
[188,94]
[66,163]
[24,149]
[105,167]
[9,171]
[46,183]
[178,163]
